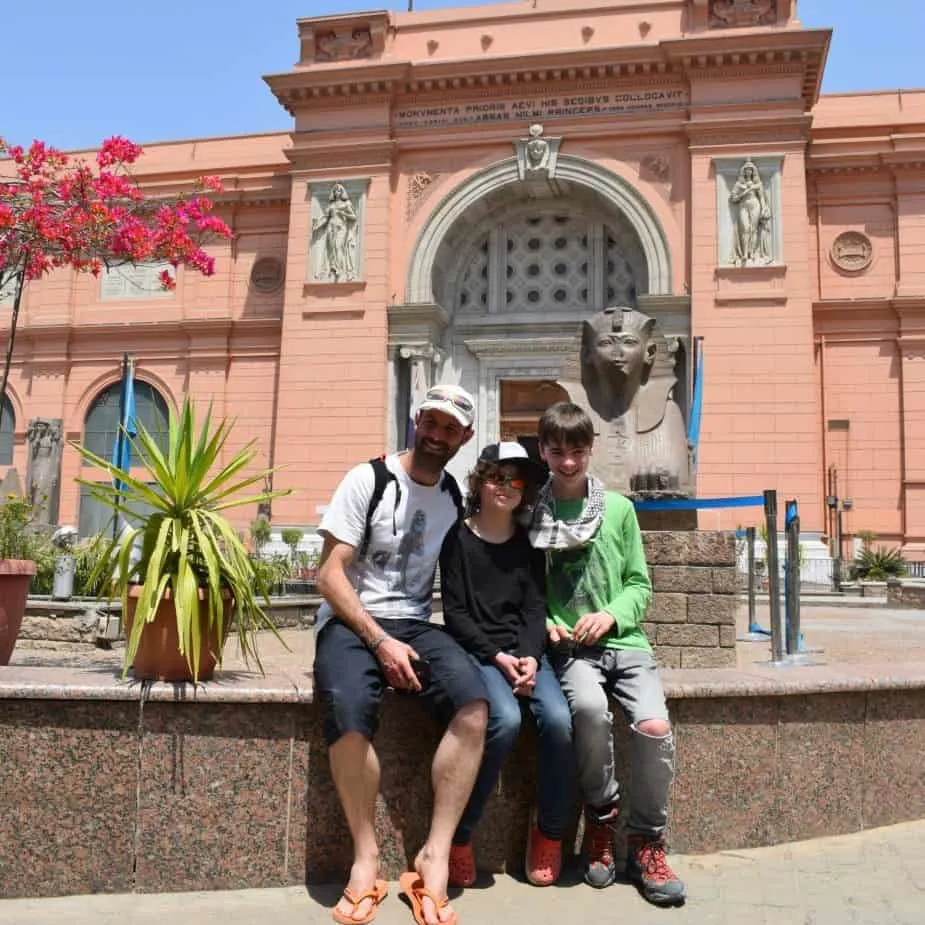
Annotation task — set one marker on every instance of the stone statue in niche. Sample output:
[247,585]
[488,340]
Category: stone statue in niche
[641,447]
[338,224]
[751,219]
[43,474]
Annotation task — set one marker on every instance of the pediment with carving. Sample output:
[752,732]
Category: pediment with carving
[333,39]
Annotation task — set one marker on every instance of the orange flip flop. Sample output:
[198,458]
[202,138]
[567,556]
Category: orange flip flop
[413,887]
[376,894]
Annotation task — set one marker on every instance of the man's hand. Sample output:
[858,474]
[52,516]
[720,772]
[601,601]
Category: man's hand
[395,659]
[557,634]
[589,628]
[510,667]
[528,668]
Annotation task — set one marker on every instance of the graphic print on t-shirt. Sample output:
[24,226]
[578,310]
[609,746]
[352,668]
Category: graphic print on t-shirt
[402,573]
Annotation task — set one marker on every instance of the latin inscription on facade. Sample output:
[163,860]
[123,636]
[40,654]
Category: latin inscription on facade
[141,281]
[566,106]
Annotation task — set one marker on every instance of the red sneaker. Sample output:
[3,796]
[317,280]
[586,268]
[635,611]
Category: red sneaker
[462,865]
[544,857]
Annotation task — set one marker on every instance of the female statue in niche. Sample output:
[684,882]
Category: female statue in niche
[751,218]
[339,224]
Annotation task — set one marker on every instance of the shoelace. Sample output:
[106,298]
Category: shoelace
[600,844]
[652,859]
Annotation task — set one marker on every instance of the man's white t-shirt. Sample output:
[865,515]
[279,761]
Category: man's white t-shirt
[395,579]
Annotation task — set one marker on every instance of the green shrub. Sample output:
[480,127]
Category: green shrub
[879,564]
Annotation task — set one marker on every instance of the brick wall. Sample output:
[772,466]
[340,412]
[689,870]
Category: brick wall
[691,621]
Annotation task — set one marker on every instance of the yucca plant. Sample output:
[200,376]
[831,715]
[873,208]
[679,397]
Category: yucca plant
[879,564]
[187,544]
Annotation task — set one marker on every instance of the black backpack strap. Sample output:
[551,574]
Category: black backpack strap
[450,485]
[382,475]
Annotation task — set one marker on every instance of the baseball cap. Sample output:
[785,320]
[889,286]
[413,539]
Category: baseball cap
[510,451]
[450,399]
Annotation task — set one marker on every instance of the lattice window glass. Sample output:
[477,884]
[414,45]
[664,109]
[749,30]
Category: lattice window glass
[548,260]
[473,287]
[102,423]
[619,280]
[7,429]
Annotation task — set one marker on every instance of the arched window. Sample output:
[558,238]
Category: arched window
[7,429]
[102,423]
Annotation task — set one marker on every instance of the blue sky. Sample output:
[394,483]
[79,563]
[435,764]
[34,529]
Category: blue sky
[77,73]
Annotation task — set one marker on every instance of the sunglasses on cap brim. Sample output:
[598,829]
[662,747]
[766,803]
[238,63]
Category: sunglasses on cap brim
[458,401]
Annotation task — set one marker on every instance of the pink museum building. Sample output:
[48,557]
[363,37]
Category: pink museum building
[459,189]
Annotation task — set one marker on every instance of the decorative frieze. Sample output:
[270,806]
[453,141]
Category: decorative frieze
[342,38]
[725,14]
[420,185]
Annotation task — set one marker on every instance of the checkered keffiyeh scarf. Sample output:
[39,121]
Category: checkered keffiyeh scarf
[548,533]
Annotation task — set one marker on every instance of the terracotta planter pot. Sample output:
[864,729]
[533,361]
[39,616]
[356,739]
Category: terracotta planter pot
[15,577]
[158,657]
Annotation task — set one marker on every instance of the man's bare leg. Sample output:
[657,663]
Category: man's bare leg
[456,764]
[355,769]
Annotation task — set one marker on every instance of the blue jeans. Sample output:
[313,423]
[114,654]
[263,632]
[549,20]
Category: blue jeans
[555,760]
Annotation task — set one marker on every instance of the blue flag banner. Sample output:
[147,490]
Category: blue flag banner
[122,451]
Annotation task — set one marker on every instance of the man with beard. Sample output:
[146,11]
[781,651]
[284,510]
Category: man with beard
[374,631]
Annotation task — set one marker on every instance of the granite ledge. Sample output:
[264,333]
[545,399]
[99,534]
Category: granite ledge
[791,680]
[49,683]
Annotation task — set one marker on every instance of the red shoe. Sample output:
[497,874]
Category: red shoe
[544,858]
[462,866]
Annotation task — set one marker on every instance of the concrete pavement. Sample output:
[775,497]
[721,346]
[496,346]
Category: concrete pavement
[872,878]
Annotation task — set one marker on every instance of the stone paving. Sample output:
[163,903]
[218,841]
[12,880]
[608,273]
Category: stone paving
[872,878]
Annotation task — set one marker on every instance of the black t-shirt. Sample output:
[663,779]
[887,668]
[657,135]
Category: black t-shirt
[493,594]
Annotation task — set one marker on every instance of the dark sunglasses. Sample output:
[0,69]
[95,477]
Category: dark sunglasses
[441,395]
[516,482]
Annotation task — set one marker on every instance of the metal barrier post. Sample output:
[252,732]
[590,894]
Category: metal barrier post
[777,636]
[752,591]
[792,526]
[755,632]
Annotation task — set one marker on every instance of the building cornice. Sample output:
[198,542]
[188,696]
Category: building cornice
[717,53]
[202,336]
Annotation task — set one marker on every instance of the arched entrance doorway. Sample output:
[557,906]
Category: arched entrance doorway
[501,277]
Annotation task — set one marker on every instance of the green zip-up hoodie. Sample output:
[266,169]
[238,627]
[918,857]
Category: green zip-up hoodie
[609,573]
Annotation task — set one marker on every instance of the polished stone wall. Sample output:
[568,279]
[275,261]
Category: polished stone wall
[228,786]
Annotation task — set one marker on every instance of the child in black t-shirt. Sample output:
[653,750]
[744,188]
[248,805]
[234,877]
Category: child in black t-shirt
[492,584]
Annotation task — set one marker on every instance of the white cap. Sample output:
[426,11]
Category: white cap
[450,399]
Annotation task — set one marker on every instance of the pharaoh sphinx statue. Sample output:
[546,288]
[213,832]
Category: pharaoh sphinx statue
[641,447]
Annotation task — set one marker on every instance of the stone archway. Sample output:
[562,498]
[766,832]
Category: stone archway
[504,271]
[481,192]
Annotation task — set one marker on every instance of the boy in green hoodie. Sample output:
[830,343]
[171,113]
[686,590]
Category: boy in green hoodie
[598,589]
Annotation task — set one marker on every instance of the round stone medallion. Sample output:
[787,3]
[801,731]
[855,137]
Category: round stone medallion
[852,251]
[267,274]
